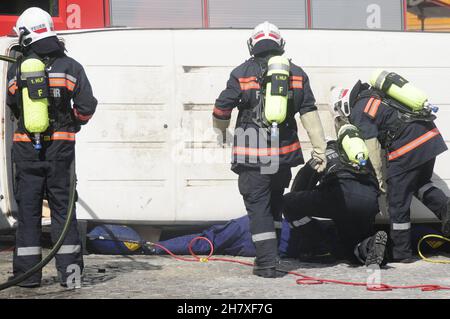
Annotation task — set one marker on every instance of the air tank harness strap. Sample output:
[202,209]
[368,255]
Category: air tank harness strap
[391,78]
[36,82]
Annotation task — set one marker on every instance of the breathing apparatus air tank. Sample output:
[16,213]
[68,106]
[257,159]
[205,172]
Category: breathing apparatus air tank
[354,147]
[35,98]
[276,97]
[401,90]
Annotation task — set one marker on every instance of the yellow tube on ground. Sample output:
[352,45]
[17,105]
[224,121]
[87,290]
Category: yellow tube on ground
[435,261]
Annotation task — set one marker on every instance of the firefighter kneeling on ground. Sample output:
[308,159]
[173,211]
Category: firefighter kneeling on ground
[268,91]
[347,193]
[41,85]
[395,116]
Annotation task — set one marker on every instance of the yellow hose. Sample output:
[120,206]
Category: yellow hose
[435,261]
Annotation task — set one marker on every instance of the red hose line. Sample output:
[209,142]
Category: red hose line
[305,280]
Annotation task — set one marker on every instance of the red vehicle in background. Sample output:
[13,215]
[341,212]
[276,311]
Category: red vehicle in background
[67,14]
[392,15]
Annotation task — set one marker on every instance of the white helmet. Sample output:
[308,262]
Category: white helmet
[33,25]
[340,102]
[265,31]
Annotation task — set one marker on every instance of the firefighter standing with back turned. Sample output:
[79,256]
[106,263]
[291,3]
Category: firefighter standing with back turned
[268,91]
[397,117]
[41,85]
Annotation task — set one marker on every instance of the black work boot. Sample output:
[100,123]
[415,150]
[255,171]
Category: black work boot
[403,259]
[269,272]
[26,283]
[29,285]
[265,272]
[376,249]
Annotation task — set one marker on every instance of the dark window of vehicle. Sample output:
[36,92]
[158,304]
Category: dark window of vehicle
[16,7]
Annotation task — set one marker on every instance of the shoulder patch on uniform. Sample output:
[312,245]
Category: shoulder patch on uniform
[296,82]
[372,106]
[249,83]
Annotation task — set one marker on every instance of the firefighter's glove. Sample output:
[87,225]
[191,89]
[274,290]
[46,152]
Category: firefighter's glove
[79,119]
[319,161]
[313,126]
[375,156]
[223,136]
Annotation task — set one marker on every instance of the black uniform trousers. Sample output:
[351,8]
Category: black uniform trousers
[401,189]
[263,198]
[33,179]
[350,204]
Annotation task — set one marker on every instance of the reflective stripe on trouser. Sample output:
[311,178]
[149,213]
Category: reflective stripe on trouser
[32,178]
[262,197]
[69,249]
[29,251]
[299,222]
[264,236]
[401,237]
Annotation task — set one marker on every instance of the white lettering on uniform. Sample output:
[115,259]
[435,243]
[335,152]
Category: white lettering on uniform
[55,92]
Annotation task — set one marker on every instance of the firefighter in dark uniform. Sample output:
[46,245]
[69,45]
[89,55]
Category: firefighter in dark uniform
[261,157]
[348,194]
[411,141]
[43,163]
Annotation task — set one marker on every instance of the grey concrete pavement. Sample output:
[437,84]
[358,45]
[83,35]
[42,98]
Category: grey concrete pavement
[164,277]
